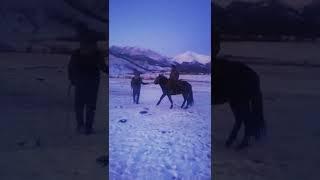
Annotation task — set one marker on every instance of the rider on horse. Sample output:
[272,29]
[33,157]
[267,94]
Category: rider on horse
[173,80]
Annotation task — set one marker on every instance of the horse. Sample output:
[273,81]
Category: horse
[239,85]
[183,88]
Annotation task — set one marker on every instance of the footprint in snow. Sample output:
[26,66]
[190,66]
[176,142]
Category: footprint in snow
[143,112]
[123,120]
[40,79]
[257,161]
[163,132]
[170,143]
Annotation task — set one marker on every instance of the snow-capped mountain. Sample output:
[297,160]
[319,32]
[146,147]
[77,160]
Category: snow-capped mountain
[138,51]
[192,57]
[125,60]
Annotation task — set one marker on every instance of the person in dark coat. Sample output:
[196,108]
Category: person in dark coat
[136,82]
[84,74]
[173,79]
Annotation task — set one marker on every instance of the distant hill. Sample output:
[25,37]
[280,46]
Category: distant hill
[267,20]
[124,60]
[192,57]
[25,23]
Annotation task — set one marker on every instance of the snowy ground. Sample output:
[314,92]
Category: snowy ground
[154,141]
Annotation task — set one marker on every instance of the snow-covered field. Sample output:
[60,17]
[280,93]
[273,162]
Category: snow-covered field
[153,142]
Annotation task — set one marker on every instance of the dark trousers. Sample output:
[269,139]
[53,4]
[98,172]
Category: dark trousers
[86,93]
[136,94]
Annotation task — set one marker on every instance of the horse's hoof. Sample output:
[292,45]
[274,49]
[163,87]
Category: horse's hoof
[185,107]
[171,106]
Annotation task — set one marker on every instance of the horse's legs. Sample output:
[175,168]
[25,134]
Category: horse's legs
[162,96]
[184,100]
[238,111]
[187,96]
[246,117]
[169,96]
[258,118]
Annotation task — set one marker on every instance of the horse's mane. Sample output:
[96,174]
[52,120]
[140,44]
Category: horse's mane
[163,76]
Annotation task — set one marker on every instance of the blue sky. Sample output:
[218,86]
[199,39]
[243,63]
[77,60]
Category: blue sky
[169,27]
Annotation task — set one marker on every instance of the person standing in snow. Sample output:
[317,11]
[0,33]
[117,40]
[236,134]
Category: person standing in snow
[136,82]
[84,74]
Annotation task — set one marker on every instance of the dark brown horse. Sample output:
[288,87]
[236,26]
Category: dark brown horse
[237,84]
[183,88]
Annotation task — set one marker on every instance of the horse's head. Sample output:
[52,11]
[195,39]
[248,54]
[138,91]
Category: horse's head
[159,79]
[156,81]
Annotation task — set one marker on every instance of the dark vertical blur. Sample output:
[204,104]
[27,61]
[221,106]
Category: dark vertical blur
[38,132]
[279,41]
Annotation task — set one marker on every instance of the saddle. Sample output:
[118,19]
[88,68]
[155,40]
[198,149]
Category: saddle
[174,86]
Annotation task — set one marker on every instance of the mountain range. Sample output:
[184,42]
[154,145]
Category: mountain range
[25,22]
[270,19]
[125,60]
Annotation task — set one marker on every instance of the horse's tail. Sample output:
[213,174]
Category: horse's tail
[257,109]
[190,96]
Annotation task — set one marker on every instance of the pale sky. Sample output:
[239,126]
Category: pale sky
[168,27]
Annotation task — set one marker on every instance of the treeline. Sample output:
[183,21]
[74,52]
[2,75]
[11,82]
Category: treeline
[267,21]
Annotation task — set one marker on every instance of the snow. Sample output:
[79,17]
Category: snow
[120,67]
[192,57]
[160,143]
[198,78]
